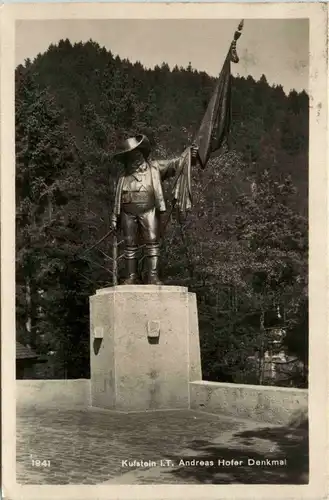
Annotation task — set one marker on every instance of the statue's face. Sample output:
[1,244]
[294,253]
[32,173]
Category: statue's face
[134,159]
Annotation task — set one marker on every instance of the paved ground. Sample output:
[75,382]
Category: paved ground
[89,447]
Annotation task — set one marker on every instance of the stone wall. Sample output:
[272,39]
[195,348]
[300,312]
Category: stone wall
[277,405]
[53,393]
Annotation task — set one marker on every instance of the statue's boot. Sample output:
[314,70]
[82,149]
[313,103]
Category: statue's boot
[152,263]
[131,266]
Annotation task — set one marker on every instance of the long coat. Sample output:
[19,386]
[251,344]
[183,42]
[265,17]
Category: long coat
[160,170]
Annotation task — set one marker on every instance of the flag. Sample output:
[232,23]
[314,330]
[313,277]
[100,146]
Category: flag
[182,186]
[213,132]
[215,126]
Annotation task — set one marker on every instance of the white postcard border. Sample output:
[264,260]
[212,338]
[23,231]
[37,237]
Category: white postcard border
[318,188]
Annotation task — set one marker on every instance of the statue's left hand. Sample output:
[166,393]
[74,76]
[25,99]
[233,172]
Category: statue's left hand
[194,151]
[194,154]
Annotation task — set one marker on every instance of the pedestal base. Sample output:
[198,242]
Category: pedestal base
[144,347]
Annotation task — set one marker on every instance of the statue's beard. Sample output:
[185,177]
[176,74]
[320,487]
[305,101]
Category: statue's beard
[132,166]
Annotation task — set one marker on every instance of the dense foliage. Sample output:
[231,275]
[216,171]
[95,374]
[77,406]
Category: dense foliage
[243,248]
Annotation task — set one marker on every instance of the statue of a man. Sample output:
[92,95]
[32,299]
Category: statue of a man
[140,208]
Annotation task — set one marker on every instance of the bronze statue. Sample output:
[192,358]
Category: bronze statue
[140,207]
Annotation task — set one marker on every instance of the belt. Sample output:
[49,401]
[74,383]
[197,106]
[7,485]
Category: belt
[137,197]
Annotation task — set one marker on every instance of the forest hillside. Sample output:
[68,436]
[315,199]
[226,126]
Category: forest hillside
[243,248]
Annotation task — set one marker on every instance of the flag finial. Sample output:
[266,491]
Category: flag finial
[237,34]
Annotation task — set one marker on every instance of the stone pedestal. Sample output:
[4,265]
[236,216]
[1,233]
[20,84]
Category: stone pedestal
[144,347]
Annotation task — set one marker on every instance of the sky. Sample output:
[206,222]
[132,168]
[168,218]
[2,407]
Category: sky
[279,49]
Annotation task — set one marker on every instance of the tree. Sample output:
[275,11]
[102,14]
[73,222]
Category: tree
[47,185]
[274,238]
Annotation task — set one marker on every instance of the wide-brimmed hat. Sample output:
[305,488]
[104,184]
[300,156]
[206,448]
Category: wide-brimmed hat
[139,142]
